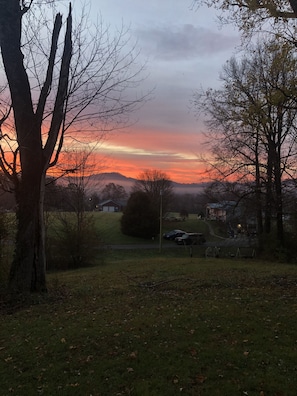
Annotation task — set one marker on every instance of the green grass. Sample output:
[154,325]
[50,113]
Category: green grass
[156,325]
[109,230]
[108,225]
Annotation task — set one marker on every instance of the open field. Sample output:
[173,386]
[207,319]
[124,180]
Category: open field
[108,226]
[147,324]
[109,235]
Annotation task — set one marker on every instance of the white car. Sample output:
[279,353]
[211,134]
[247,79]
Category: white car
[191,238]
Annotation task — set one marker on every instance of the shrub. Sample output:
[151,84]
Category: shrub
[7,229]
[140,217]
[74,242]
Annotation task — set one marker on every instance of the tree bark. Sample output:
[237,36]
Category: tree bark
[269,190]
[258,192]
[278,180]
[29,266]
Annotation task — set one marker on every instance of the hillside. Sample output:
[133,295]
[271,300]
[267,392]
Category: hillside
[127,182]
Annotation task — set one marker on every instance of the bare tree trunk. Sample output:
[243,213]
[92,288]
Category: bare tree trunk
[278,188]
[258,189]
[259,206]
[279,209]
[269,190]
[268,204]
[27,272]
[28,267]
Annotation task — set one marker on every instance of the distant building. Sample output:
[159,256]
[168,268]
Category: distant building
[220,210]
[110,206]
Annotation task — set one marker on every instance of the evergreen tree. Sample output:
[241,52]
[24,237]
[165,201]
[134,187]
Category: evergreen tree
[140,217]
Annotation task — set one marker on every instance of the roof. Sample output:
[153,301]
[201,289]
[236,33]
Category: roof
[109,201]
[221,205]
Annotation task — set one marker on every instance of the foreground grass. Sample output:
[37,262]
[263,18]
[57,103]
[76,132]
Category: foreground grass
[156,326]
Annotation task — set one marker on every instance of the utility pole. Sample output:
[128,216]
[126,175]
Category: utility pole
[161,220]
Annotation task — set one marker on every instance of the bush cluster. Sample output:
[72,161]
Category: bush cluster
[140,217]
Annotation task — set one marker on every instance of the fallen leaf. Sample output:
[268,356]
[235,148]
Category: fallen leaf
[200,379]
[175,379]
[193,352]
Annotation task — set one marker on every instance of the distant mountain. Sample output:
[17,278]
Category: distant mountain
[116,176]
[190,188]
[127,182]
[100,180]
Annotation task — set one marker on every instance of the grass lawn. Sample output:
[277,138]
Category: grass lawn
[148,324]
[108,226]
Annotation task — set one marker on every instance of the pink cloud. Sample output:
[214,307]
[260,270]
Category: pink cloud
[176,154]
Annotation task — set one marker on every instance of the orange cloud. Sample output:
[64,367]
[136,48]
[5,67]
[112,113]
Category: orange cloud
[177,154]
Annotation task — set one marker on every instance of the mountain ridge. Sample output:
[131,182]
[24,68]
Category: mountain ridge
[127,182]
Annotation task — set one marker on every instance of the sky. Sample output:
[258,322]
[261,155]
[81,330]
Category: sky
[184,50]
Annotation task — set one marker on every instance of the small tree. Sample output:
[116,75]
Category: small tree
[140,217]
[73,244]
[76,240]
[155,183]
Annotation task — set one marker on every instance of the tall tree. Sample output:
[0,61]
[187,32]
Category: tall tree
[254,122]
[79,78]
[156,184]
[28,267]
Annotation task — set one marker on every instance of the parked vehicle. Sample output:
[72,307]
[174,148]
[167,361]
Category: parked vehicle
[171,235]
[172,218]
[191,238]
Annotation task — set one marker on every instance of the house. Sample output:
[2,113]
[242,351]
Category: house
[110,206]
[220,210]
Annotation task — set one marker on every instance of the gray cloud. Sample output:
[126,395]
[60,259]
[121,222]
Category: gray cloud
[184,42]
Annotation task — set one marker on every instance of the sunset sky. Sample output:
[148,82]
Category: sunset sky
[185,49]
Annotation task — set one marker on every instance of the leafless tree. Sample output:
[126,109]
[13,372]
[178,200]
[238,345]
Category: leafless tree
[79,86]
[253,124]
[155,184]
[75,235]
